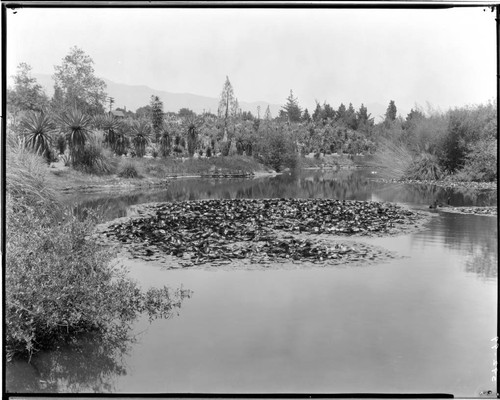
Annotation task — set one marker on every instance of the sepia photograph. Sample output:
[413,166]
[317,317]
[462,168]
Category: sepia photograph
[274,199]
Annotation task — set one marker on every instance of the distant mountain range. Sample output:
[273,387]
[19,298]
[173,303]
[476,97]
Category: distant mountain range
[134,96]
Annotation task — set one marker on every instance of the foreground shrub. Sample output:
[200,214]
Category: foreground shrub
[59,282]
[424,167]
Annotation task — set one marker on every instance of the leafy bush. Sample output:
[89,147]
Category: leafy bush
[467,125]
[59,282]
[277,150]
[481,162]
[424,167]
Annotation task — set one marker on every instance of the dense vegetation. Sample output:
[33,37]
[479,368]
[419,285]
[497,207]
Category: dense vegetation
[460,145]
[75,126]
[58,279]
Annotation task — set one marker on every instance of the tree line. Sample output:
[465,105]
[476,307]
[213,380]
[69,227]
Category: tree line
[78,111]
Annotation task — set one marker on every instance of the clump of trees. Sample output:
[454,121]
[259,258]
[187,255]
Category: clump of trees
[460,144]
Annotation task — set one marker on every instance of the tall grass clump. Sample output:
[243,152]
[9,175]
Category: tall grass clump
[94,159]
[424,167]
[59,281]
[26,178]
[393,159]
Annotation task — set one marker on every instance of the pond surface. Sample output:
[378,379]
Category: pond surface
[419,324]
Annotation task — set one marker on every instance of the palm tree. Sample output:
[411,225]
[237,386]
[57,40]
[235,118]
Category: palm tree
[141,131]
[76,126]
[38,128]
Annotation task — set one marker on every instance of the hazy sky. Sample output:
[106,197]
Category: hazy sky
[445,57]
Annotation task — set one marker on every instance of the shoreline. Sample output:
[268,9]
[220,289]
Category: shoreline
[66,180]
[443,184]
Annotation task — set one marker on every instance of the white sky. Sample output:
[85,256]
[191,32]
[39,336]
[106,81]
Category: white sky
[445,57]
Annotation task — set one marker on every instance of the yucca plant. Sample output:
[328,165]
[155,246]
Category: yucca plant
[38,129]
[110,126]
[141,134]
[76,125]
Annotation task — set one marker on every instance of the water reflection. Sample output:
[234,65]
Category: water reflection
[474,237]
[342,184]
[89,364]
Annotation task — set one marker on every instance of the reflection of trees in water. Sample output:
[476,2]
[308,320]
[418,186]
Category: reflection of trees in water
[476,237]
[457,197]
[342,184]
[484,260]
[86,363]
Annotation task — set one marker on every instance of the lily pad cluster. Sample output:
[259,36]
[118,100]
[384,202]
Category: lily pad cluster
[207,231]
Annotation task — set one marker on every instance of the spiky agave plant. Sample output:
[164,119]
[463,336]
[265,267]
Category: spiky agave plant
[110,126]
[141,134]
[76,125]
[38,129]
